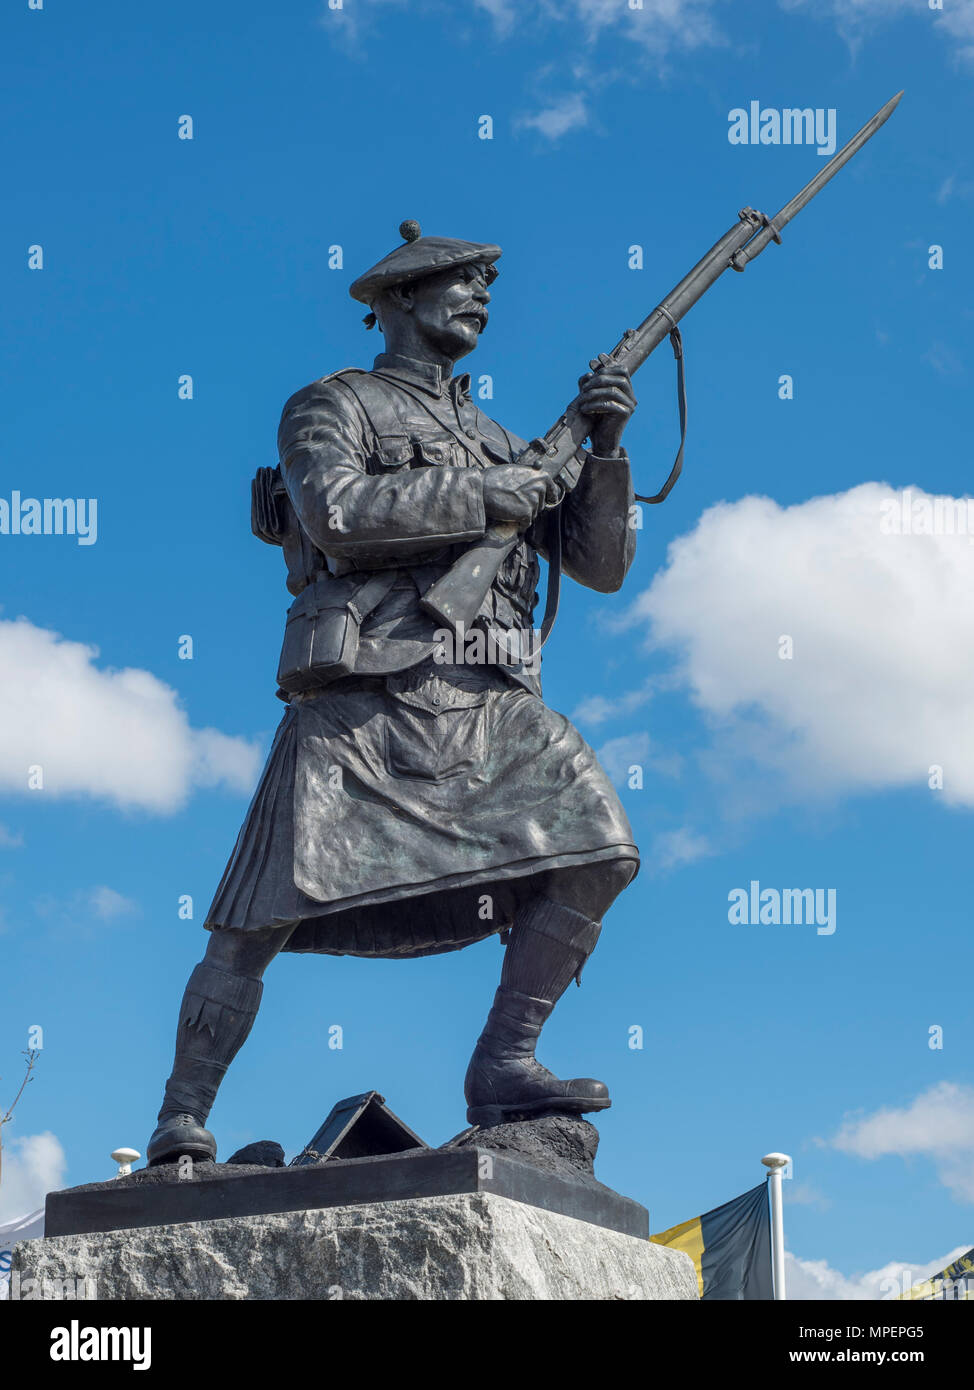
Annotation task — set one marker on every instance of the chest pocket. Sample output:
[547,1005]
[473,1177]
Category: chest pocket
[394,452]
[439,450]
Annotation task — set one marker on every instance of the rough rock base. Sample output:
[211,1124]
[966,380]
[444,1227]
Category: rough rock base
[466,1246]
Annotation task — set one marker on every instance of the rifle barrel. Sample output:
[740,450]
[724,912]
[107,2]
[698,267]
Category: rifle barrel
[633,351]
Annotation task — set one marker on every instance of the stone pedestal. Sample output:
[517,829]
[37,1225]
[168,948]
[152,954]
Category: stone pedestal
[469,1245]
[510,1212]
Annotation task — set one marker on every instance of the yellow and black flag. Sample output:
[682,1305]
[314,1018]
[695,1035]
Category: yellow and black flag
[730,1247]
[954,1282]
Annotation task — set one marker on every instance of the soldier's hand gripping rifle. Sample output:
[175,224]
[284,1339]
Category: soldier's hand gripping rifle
[456,597]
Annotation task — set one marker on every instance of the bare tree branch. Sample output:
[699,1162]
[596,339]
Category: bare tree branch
[32,1055]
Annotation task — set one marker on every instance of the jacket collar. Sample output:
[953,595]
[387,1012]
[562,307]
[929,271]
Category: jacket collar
[428,376]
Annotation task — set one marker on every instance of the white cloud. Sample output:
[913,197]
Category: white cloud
[114,735]
[33,1166]
[957,20]
[817,1279]
[806,1194]
[657,30]
[942,1117]
[107,904]
[619,754]
[938,1124]
[80,913]
[943,359]
[879,688]
[674,848]
[856,20]
[349,24]
[570,113]
[596,709]
[953,187]
[852,17]
[660,26]
[502,12]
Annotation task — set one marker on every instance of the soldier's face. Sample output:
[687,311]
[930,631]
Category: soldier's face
[450,309]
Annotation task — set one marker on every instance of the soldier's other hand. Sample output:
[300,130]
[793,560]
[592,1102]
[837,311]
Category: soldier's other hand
[608,401]
[514,493]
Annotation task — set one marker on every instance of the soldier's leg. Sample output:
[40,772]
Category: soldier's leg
[552,937]
[591,889]
[217,1013]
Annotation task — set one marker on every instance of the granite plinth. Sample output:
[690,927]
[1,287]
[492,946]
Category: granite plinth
[474,1245]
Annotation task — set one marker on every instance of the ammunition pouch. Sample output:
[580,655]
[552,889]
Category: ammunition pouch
[321,637]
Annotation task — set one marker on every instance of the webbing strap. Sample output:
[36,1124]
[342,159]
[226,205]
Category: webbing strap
[377,406]
[371,594]
[554,581]
[554,577]
[681,391]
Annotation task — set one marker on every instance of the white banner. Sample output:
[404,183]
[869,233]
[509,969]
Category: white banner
[25,1228]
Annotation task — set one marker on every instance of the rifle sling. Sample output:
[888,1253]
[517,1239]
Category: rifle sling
[554,537]
[681,392]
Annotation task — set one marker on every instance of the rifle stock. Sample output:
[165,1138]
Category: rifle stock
[458,595]
[456,598]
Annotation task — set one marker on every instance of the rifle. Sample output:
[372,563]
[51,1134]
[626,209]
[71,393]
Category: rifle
[456,597]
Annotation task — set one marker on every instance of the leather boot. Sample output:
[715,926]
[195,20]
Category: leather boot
[217,1013]
[549,945]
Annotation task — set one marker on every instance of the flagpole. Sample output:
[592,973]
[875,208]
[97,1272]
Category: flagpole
[776,1163]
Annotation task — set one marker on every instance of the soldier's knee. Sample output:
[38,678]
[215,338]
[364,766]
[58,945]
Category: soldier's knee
[243,952]
[609,881]
[593,888]
[619,873]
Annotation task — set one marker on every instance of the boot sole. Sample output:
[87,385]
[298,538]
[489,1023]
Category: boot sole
[486,1116]
[196,1152]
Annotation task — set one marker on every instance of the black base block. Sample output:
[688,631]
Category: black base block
[157,1196]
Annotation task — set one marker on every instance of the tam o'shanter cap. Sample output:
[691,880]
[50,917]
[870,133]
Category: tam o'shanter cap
[417,257]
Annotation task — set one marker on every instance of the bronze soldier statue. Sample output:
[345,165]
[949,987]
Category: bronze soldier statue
[415,801]
[421,796]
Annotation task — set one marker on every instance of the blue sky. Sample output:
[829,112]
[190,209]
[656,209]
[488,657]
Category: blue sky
[162,257]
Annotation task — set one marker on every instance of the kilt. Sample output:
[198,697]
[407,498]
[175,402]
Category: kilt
[412,814]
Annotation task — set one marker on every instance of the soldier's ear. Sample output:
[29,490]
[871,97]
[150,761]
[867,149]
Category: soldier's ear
[402,297]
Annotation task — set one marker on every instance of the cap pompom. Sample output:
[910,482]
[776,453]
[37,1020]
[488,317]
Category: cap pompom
[410,230]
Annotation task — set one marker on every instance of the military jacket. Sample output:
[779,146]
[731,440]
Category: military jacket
[384,470]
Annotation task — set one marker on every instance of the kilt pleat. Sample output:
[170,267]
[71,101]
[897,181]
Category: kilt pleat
[388,812]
